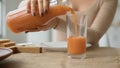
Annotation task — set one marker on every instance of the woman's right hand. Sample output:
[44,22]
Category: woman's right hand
[38,7]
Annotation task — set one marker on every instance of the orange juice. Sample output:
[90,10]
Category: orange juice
[76,45]
[75,23]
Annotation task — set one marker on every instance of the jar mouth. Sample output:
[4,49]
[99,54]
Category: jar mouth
[70,14]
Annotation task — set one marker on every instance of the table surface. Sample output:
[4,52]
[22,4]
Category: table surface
[96,58]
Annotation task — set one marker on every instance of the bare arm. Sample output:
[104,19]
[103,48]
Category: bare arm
[102,21]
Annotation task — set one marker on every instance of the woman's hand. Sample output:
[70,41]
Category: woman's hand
[36,7]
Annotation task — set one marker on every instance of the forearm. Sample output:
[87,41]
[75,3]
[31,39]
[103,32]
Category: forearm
[102,21]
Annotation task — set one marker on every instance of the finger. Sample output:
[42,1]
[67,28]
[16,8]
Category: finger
[28,6]
[44,28]
[33,7]
[34,30]
[52,24]
[46,5]
[40,6]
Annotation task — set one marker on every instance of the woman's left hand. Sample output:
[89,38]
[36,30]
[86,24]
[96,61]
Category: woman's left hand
[37,7]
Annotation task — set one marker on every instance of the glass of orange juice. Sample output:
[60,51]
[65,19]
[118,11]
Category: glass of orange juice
[76,35]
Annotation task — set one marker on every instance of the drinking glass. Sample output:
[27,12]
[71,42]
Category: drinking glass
[76,35]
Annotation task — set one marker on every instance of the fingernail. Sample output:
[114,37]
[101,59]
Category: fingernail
[28,11]
[26,32]
[46,11]
[42,14]
[34,14]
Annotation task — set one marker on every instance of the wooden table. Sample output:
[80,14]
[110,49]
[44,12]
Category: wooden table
[96,58]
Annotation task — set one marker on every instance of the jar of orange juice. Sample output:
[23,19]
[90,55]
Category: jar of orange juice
[20,21]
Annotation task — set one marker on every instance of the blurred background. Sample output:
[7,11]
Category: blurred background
[111,37]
